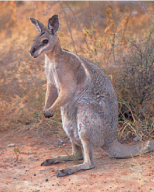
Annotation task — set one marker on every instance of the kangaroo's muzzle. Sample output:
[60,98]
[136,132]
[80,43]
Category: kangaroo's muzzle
[32,51]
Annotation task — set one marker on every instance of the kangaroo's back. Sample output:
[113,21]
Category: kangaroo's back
[100,85]
[103,93]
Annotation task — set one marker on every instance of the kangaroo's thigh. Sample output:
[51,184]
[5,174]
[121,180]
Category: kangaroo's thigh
[89,122]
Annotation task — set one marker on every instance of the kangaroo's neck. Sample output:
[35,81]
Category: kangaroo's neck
[57,50]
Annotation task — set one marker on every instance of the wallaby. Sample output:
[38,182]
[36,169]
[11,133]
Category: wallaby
[87,101]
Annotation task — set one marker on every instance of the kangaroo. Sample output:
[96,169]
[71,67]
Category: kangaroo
[87,101]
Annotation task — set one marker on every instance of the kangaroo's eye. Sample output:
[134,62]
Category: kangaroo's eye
[45,41]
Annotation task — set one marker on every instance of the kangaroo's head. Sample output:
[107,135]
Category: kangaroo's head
[47,38]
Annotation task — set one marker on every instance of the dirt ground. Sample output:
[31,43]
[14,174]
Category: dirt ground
[26,174]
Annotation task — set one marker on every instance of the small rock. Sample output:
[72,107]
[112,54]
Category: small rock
[11,145]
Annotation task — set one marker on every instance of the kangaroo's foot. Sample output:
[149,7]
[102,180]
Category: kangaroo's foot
[74,169]
[59,159]
[49,162]
[75,156]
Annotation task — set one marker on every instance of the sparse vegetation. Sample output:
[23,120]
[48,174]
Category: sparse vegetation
[135,88]
[118,36]
[17,152]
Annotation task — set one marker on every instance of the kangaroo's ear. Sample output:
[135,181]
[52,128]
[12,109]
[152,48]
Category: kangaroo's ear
[53,24]
[38,24]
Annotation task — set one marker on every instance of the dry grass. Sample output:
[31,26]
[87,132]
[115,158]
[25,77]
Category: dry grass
[118,36]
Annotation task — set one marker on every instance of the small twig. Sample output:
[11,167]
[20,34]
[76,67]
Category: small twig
[77,23]
[138,49]
[68,28]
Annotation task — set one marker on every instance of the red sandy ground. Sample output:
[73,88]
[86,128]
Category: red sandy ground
[26,175]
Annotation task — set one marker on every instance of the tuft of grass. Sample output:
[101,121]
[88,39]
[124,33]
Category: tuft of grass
[135,88]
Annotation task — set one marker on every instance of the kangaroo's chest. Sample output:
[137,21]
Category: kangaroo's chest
[51,74]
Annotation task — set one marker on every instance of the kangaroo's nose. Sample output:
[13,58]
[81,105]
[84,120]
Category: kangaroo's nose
[32,50]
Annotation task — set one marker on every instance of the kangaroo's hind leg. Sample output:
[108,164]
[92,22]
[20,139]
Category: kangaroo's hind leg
[83,120]
[76,155]
[88,162]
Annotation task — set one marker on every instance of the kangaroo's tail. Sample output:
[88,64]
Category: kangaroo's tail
[117,150]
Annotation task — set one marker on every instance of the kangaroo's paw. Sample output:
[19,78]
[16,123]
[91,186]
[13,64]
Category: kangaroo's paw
[49,162]
[48,113]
